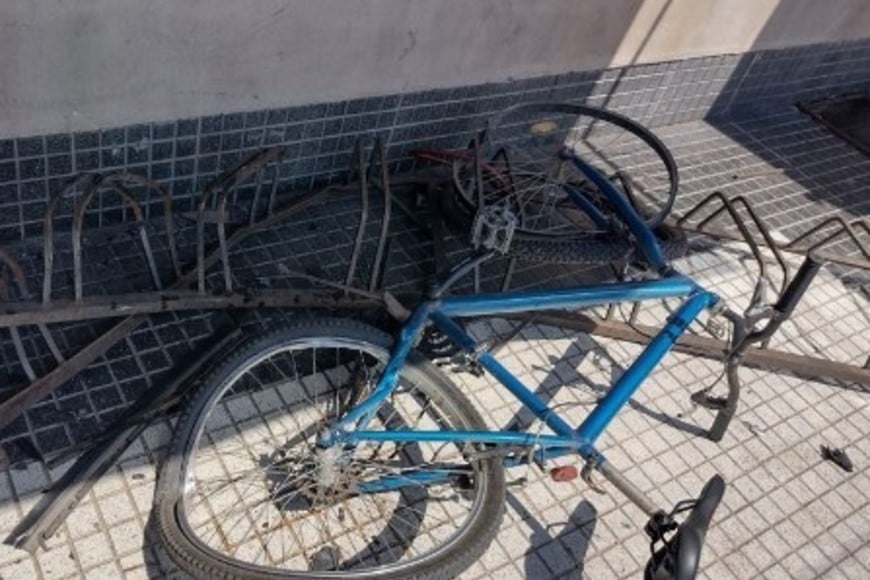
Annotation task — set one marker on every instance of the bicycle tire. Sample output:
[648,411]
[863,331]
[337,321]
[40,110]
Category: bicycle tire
[174,484]
[594,251]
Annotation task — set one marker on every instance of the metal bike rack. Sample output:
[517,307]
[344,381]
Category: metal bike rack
[100,453]
[132,308]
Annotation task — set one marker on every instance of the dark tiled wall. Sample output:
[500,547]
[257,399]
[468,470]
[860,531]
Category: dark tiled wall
[185,154]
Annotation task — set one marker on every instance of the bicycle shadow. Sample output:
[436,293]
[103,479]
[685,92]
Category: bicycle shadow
[568,376]
[573,539]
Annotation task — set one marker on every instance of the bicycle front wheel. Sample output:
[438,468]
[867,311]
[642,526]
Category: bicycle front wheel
[246,493]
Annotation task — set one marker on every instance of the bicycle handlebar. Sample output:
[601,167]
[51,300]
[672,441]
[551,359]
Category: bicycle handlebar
[788,301]
[798,286]
[678,559]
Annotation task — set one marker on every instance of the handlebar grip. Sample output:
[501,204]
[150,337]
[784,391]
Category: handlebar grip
[798,286]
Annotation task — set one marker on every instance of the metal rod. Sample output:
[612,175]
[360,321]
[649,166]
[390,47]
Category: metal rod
[119,305]
[364,212]
[799,364]
[627,488]
[22,354]
[792,245]
[255,202]
[16,338]
[729,206]
[48,229]
[273,192]
[376,276]
[21,282]
[845,227]
[166,197]
[223,201]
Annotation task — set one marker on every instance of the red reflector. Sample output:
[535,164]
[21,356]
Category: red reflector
[564,473]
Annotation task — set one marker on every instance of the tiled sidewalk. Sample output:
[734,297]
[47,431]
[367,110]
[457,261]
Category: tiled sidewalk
[786,513]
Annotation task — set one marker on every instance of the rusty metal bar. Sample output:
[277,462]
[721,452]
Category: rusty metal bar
[143,234]
[358,157]
[255,201]
[845,227]
[58,502]
[377,274]
[124,179]
[120,305]
[12,407]
[273,192]
[827,256]
[508,274]
[226,183]
[763,358]
[22,354]
[21,282]
[91,180]
[16,338]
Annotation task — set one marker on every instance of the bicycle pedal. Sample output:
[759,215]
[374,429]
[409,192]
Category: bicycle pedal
[563,473]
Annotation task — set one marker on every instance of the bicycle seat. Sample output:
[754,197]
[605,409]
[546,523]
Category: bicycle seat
[678,559]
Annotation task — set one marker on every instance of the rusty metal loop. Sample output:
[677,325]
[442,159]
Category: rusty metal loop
[224,184]
[122,179]
[78,225]
[48,228]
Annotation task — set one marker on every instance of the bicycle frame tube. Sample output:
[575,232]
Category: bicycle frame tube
[577,297]
[646,239]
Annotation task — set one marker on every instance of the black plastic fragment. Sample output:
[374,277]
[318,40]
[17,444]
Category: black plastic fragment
[837,456]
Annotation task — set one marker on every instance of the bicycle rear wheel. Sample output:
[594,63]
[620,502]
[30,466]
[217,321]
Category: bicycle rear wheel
[563,218]
[244,492]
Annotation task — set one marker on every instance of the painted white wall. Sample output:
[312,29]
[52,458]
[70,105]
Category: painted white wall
[83,64]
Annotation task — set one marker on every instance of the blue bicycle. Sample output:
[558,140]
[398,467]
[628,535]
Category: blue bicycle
[326,449]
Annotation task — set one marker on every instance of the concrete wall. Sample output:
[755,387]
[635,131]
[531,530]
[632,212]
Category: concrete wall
[70,66]
[676,29]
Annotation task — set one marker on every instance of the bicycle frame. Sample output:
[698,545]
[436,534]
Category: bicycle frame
[566,439]
[579,439]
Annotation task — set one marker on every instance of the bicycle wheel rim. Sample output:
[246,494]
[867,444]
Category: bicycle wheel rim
[396,569]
